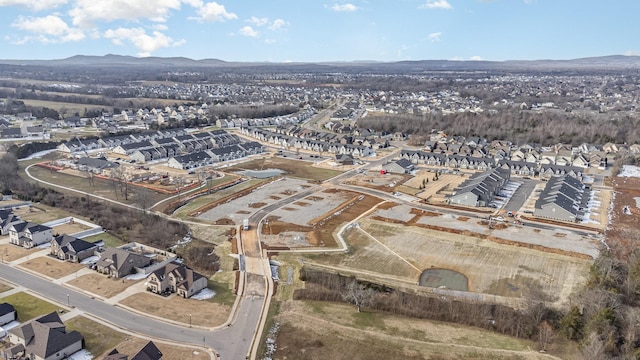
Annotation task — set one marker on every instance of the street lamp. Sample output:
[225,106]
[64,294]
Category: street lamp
[189,320]
[68,303]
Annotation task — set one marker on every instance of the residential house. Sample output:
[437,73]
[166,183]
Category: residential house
[176,278]
[564,198]
[118,263]
[191,161]
[7,218]
[95,165]
[28,234]
[44,338]
[402,166]
[148,352]
[481,188]
[7,313]
[70,248]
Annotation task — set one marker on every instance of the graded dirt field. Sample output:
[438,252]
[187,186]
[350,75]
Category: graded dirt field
[101,285]
[10,252]
[209,313]
[323,330]
[491,268]
[51,267]
[292,168]
[623,233]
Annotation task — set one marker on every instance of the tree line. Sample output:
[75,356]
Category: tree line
[517,126]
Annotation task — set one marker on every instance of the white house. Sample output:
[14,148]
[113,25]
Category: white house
[28,234]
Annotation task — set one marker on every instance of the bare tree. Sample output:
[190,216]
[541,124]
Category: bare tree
[545,334]
[143,197]
[593,347]
[358,294]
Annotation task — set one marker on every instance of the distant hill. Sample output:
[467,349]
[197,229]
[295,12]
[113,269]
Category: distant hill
[612,62]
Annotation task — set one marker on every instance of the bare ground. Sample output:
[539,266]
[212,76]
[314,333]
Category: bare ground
[51,267]
[101,285]
[10,252]
[175,308]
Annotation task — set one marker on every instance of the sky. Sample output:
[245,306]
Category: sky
[316,30]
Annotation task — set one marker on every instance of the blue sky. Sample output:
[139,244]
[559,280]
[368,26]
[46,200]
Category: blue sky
[311,30]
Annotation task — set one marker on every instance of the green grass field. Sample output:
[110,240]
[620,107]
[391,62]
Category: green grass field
[109,240]
[98,338]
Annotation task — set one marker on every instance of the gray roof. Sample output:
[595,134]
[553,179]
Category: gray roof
[6,308]
[46,335]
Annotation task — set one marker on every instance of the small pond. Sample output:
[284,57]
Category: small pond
[261,174]
[446,278]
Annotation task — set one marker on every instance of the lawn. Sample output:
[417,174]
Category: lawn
[109,240]
[51,267]
[292,168]
[101,285]
[10,252]
[4,287]
[41,213]
[204,313]
[28,306]
[98,338]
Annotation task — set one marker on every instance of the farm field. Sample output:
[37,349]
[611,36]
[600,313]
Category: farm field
[291,168]
[323,330]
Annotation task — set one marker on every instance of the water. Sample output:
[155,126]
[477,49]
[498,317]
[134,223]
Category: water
[261,174]
[449,279]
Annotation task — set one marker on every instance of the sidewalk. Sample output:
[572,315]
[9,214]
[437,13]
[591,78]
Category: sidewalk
[28,257]
[74,275]
[133,289]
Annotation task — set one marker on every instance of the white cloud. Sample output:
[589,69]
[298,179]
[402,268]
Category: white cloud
[194,3]
[36,5]
[214,12]
[434,37]
[248,31]
[269,41]
[159,27]
[436,4]
[476,58]
[258,21]
[277,24]
[632,53]
[86,12]
[344,7]
[138,37]
[47,29]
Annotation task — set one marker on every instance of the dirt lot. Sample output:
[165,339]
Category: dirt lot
[41,214]
[372,179]
[324,224]
[491,268]
[622,233]
[9,252]
[101,285]
[4,287]
[292,168]
[178,309]
[51,267]
[314,330]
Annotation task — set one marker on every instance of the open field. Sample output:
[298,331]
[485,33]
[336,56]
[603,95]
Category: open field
[28,306]
[491,268]
[51,267]
[292,168]
[322,330]
[98,338]
[434,190]
[373,179]
[101,285]
[209,313]
[132,345]
[10,252]
[69,108]
[100,187]
[109,240]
